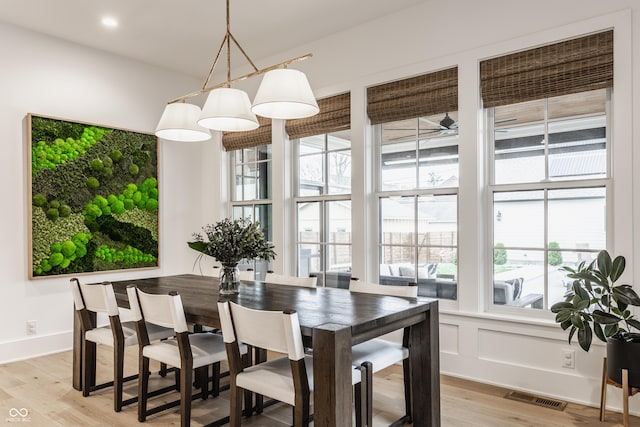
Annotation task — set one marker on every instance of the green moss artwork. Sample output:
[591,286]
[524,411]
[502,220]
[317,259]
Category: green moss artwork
[94,198]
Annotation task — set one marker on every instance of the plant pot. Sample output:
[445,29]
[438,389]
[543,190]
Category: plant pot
[229,279]
[623,355]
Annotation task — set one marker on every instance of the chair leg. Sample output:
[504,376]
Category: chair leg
[603,390]
[406,374]
[87,366]
[625,397]
[360,393]
[357,392]
[235,401]
[301,411]
[143,387]
[186,378]
[248,394]
[118,376]
[203,372]
[368,397]
[215,387]
[163,370]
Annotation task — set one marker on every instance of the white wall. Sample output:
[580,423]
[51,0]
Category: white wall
[500,347]
[53,78]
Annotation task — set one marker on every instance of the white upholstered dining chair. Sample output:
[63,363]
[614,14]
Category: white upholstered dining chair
[281,279]
[289,378]
[247,275]
[380,353]
[89,301]
[188,351]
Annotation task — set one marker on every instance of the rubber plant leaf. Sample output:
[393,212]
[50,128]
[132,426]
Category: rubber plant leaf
[585,336]
[617,268]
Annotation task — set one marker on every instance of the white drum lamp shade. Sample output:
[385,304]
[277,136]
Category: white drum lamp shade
[228,110]
[285,94]
[179,123]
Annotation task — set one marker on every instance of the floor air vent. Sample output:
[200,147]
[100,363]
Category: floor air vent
[536,400]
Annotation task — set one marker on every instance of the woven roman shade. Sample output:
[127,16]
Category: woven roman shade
[423,95]
[335,115]
[571,66]
[253,138]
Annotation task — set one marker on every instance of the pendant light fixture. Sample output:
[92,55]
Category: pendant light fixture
[283,94]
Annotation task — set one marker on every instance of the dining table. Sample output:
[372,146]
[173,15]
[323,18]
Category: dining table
[331,320]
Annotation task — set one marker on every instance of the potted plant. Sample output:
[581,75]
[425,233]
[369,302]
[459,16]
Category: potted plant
[229,241]
[596,304]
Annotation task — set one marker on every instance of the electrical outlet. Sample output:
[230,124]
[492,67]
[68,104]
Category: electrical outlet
[569,359]
[32,327]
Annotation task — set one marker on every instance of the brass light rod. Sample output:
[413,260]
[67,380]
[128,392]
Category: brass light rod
[228,37]
[237,79]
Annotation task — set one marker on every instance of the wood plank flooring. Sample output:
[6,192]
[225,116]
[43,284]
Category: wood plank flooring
[42,386]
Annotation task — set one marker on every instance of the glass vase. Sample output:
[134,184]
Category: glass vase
[229,279]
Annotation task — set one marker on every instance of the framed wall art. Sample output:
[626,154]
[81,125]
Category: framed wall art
[94,198]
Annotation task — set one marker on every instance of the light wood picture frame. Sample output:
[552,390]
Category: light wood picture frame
[93,198]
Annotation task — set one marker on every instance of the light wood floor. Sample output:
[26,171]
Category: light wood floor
[43,387]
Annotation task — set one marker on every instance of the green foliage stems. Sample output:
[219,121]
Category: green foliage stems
[230,241]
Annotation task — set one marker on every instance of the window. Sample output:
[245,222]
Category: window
[416,131]
[418,185]
[324,208]
[252,173]
[549,185]
[251,193]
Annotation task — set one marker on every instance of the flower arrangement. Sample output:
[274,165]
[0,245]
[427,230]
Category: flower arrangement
[231,240]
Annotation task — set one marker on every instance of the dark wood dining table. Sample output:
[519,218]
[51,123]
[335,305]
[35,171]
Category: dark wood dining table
[331,321]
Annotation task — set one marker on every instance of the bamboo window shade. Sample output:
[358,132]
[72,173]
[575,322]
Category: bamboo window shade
[334,116]
[577,65]
[253,138]
[418,96]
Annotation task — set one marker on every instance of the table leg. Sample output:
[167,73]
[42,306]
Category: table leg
[332,395]
[424,354]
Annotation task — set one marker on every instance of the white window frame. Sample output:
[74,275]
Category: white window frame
[322,199]
[416,193]
[545,186]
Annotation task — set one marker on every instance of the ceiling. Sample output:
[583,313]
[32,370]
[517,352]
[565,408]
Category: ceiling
[184,35]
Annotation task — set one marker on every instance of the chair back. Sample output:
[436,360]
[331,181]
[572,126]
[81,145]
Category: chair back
[161,310]
[280,279]
[98,298]
[247,275]
[410,291]
[272,330]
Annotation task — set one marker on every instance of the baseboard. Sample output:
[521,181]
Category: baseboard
[35,346]
[610,407]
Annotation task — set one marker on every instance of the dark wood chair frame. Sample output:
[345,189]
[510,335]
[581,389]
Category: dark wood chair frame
[367,371]
[301,411]
[184,379]
[88,320]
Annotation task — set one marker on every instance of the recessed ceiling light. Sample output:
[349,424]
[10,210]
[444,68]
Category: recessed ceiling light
[109,22]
